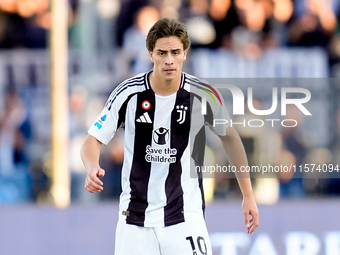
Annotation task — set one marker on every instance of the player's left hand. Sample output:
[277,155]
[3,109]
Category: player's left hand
[249,207]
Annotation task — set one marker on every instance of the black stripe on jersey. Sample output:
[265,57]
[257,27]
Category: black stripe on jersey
[122,110]
[179,139]
[140,169]
[146,80]
[198,156]
[198,148]
[199,145]
[182,81]
[209,117]
[121,88]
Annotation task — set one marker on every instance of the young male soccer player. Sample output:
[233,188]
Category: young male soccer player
[161,207]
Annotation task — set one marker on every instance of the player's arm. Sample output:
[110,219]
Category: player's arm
[236,155]
[90,152]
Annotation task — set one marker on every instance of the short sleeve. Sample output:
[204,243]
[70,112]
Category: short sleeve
[218,118]
[105,126]
[113,114]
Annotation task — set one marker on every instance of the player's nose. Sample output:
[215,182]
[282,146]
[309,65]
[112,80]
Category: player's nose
[169,60]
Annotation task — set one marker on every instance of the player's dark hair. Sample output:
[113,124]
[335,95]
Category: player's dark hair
[167,27]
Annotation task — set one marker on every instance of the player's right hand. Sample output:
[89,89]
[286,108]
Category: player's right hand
[92,182]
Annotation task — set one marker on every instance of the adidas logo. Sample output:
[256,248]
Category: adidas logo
[145,118]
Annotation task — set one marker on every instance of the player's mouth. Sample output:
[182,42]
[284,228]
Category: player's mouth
[169,71]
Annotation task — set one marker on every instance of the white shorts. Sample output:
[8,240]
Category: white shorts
[187,238]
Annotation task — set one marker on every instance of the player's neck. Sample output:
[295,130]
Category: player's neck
[163,87]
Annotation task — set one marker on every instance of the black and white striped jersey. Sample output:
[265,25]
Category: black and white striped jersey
[164,139]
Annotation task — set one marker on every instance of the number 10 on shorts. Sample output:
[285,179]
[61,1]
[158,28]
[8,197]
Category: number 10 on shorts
[200,243]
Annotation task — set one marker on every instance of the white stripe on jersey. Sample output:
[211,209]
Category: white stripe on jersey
[129,139]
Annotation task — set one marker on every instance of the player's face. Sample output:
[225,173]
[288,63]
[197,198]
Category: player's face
[168,57]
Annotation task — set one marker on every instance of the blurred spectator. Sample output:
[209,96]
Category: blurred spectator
[134,57]
[317,181]
[14,178]
[24,23]
[170,8]
[11,118]
[40,181]
[126,17]
[246,27]
[10,23]
[77,116]
[77,125]
[334,182]
[315,26]
[112,161]
[286,158]
[292,185]
[262,145]
[257,26]
[201,30]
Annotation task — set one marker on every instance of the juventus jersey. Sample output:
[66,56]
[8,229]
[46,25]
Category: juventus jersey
[164,141]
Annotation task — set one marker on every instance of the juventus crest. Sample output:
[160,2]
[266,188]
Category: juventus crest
[182,110]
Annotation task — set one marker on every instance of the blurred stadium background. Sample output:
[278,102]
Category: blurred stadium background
[44,208]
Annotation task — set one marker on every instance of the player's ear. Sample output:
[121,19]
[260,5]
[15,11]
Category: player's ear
[185,54]
[151,56]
